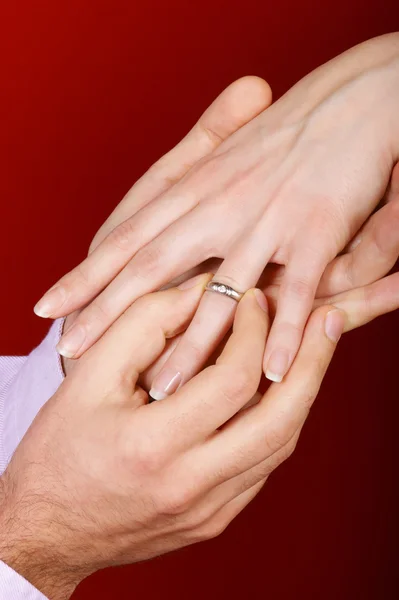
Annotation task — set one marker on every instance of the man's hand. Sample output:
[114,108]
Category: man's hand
[104,478]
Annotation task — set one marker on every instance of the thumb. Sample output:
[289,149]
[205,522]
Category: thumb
[139,336]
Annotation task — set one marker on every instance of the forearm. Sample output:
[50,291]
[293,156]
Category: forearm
[374,66]
[26,383]
[23,548]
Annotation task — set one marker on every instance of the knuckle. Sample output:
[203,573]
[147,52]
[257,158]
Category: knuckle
[291,333]
[147,456]
[80,276]
[281,456]
[279,432]
[150,303]
[275,440]
[99,313]
[289,449]
[147,261]
[210,134]
[177,500]
[162,171]
[213,529]
[236,385]
[194,350]
[245,384]
[160,168]
[196,519]
[123,235]
[299,288]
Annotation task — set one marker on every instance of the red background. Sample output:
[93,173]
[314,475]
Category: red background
[92,92]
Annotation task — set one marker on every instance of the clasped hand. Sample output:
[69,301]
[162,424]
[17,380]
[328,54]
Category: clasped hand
[103,478]
[252,184]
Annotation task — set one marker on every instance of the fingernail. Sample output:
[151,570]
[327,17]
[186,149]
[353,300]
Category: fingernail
[71,341]
[51,301]
[190,283]
[277,365]
[165,384]
[334,324]
[261,299]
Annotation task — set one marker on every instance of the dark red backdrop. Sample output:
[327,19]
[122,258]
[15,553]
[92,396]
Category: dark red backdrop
[92,92]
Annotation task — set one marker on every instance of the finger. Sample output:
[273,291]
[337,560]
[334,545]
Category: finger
[215,525]
[238,104]
[208,266]
[241,270]
[375,251]
[364,304]
[295,301]
[122,235]
[139,336]
[152,267]
[264,429]
[224,493]
[149,374]
[214,395]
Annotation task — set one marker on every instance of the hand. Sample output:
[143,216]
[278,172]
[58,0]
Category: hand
[291,187]
[360,271]
[103,478]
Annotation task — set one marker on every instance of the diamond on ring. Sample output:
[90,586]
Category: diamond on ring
[225,290]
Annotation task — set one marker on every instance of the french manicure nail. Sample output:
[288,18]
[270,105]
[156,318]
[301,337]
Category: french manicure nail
[190,283]
[277,365]
[51,301]
[165,384]
[261,299]
[334,324]
[71,341]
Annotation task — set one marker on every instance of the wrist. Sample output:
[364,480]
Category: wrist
[26,547]
[358,88]
[370,58]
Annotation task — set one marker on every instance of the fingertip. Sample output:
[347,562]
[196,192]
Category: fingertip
[326,322]
[51,303]
[41,310]
[253,300]
[261,300]
[258,87]
[277,365]
[334,324]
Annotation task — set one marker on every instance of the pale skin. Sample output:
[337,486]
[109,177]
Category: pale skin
[289,184]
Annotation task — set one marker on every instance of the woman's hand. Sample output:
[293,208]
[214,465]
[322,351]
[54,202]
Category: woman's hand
[120,480]
[291,187]
[360,271]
